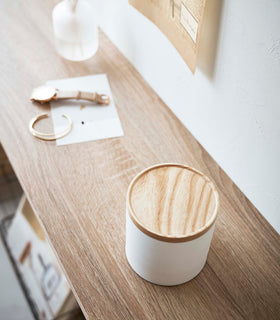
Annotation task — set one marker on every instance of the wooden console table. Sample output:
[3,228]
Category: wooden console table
[78,191]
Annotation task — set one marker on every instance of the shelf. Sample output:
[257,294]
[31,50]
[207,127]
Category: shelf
[78,191]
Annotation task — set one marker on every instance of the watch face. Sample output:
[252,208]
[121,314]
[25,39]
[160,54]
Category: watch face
[43,93]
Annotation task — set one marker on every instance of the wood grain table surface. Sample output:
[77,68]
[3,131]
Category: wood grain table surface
[78,191]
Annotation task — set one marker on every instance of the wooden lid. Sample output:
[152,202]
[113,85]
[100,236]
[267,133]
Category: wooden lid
[172,202]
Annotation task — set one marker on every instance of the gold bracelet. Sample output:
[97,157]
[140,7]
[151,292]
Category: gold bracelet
[48,136]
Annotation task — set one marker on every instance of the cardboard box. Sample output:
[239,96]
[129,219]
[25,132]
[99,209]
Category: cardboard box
[39,268]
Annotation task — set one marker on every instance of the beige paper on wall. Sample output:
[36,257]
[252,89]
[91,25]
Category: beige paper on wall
[179,20]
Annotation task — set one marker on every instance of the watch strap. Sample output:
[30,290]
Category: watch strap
[82,95]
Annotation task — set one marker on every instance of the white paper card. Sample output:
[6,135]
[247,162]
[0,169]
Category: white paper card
[189,22]
[93,122]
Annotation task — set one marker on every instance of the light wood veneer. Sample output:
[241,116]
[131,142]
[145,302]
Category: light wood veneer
[79,191]
[172,202]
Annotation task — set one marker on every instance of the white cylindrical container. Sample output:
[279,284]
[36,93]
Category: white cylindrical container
[170,219]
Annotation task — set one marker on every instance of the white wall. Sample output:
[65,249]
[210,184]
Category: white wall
[231,105]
